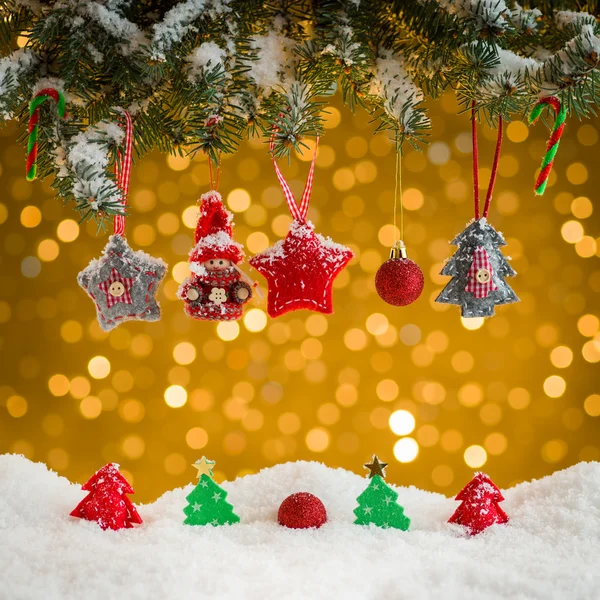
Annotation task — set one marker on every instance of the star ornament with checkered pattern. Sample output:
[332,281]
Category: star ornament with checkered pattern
[123,283]
[478,270]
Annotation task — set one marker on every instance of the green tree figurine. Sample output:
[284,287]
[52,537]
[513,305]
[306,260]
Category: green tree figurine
[206,502]
[377,504]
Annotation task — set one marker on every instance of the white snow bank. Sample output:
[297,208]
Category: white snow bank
[549,550]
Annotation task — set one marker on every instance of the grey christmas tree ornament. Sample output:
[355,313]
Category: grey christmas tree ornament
[479,234]
[123,284]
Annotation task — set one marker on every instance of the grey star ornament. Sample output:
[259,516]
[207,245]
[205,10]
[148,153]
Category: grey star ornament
[123,284]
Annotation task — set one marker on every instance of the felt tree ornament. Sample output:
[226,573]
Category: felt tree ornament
[301,268]
[106,502]
[478,268]
[206,502]
[215,291]
[479,506]
[123,283]
[378,505]
[399,281]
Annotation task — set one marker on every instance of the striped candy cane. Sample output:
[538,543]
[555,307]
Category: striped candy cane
[34,117]
[552,146]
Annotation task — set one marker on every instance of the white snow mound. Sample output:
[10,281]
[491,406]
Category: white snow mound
[549,550]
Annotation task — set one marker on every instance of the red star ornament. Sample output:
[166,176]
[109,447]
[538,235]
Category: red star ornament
[300,270]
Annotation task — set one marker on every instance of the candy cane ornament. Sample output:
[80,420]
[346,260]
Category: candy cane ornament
[552,146]
[34,117]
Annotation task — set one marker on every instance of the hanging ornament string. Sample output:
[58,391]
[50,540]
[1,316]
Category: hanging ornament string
[495,163]
[398,196]
[560,112]
[34,117]
[123,171]
[214,182]
[298,212]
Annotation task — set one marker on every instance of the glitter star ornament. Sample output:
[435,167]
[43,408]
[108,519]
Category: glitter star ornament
[204,467]
[301,268]
[375,467]
[123,283]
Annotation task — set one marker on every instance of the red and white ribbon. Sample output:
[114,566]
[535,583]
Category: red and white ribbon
[123,170]
[298,212]
[481,286]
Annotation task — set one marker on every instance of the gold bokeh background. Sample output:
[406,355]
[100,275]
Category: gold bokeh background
[435,396]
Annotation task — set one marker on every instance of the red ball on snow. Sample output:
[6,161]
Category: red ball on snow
[399,281]
[301,511]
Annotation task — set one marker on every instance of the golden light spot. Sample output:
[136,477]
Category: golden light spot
[180,271]
[16,406]
[257,241]
[328,413]
[311,348]
[561,357]
[519,398]
[470,394]
[413,199]
[389,338]
[462,361]
[546,335]
[508,203]
[168,223]
[377,324]
[586,247]
[421,356]
[591,405]
[475,456]
[253,420]
[184,353]
[189,217]
[588,325]
[332,117]
[366,171]
[133,447]
[442,475]
[67,230]
[410,334]
[517,131]
[141,345]
[255,320]
[3,210]
[572,231]
[344,179]
[90,407]
[294,360]
[280,225]
[370,261]
[555,386]
[196,438]
[131,410]
[451,440]
[490,413]
[406,450]
[58,459]
[228,330]
[437,341]
[582,207]
[433,392]
[317,439]
[175,396]
[496,443]
[288,423]
[577,173]
[99,367]
[71,331]
[346,395]
[80,387]
[587,135]
[31,216]
[238,200]
[387,390]
[388,234]
[355,339]
[356,147]
[402,422]
[144,200]
[554,451]
[58,385]
[316,325]
[472,323]
[591,351]
[144,235]
[428,435]
[234,442]
[178,163]
[5,311]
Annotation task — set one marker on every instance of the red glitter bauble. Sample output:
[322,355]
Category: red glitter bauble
[301,511]
[399,281]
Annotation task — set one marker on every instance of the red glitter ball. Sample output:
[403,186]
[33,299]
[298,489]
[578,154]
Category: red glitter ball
[399,281]
[301,511]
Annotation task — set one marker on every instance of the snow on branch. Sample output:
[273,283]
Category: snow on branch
[508,76]
[525,20]
[206,57]
[394,87]
[12,68]
[565,19]
[179,21]
[484,14]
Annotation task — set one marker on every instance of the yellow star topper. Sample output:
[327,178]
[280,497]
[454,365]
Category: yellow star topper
[204,467]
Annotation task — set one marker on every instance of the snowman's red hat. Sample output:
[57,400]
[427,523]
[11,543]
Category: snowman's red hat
[214,231]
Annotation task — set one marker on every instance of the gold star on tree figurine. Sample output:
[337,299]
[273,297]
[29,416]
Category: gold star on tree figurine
[204,467]
[375,467]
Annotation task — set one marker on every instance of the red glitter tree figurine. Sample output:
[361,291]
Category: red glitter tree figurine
[479,508]
[106,502]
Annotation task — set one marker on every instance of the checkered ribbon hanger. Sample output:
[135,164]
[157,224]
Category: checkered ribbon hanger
[298,212]
[481,273]
[123,171]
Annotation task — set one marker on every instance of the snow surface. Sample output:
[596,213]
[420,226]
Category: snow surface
[549,550]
